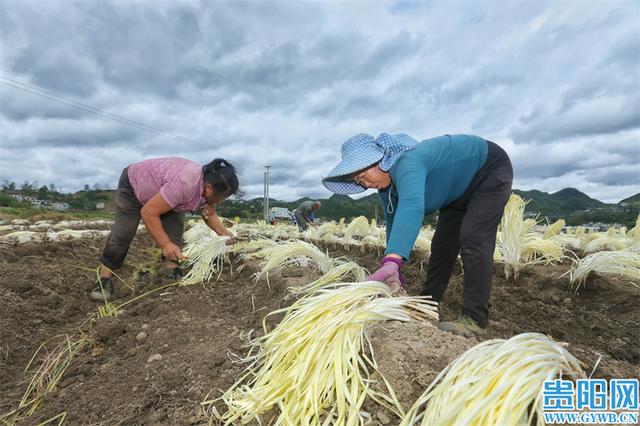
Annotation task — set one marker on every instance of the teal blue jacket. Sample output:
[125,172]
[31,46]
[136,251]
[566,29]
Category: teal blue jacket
[433,174]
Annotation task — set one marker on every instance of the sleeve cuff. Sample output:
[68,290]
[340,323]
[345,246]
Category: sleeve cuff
[167,198]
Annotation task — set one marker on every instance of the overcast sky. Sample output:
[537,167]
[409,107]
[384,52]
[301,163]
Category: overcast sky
[557,84]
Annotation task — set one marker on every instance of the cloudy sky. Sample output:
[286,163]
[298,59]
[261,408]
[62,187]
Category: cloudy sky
[557,84]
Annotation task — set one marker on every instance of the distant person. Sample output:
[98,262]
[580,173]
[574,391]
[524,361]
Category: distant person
[304,213]
[161,191]
[466,178]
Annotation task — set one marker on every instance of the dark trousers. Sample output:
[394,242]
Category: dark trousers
[469,226]
[300,220]
[127,219]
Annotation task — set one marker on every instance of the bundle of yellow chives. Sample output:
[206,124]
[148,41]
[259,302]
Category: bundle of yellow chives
[623,263]
[287,253]
[554,229]
[514,230]
[358,227]
[338,273]
[313,367]
[206,257]
[498,382]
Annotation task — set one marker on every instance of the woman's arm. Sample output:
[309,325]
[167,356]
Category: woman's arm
[409,213]
[151,213]
[211,218]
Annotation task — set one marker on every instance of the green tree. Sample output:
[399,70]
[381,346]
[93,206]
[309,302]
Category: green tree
[7,201]
[8,186]
[28,188]
[43,192]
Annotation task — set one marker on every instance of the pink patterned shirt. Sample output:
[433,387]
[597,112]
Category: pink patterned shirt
[179,182]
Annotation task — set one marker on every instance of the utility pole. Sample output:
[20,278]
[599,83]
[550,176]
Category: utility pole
[265,203]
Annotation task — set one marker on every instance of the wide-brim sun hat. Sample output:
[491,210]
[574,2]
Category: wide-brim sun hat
[358,153]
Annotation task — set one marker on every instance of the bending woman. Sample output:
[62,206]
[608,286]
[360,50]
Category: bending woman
[161,191]
[466,178]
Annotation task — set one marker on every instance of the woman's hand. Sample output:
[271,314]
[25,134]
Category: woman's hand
[172,252]
[389,273]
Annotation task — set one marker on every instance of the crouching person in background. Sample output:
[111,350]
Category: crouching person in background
[161,191]
[304,214]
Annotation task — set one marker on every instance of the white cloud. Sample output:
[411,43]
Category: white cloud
[286,83]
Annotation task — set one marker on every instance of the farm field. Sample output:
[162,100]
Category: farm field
[162,355]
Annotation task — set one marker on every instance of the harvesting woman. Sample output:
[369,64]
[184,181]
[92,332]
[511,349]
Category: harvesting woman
[161,191]
[465,178]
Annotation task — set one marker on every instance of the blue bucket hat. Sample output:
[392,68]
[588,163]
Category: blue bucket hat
[361,151]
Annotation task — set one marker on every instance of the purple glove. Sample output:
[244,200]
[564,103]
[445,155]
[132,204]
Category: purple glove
[389,273]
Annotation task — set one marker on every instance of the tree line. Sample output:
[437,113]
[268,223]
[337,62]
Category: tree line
[81,200]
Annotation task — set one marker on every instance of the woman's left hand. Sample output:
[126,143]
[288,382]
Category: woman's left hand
[389,273]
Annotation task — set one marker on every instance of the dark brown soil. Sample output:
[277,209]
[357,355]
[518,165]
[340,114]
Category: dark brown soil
[156,362]
[602,319]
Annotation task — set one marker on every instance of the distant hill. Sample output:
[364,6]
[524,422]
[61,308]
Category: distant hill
[632,202]
[561,203]
[574,206]
[569,203]
[577,207]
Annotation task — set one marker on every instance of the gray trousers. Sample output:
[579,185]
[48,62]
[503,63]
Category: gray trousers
[300,220]
[127,219]
[469,226]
